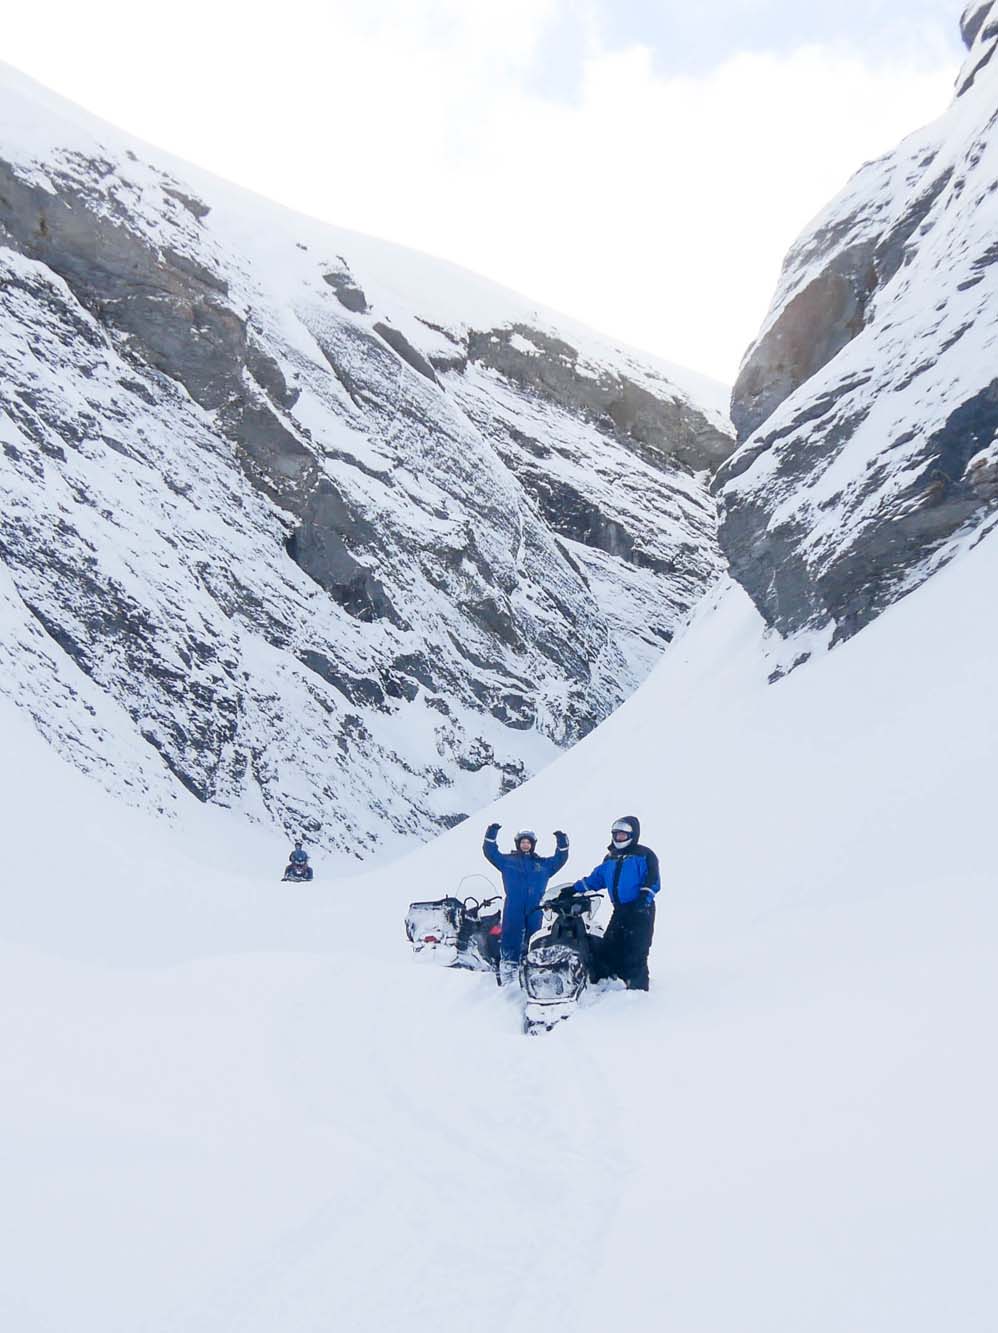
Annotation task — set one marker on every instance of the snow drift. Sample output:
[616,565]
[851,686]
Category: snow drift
[228,1104]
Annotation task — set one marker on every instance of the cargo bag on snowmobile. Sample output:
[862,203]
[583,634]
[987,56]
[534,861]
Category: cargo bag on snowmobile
[432,928]
[453,933]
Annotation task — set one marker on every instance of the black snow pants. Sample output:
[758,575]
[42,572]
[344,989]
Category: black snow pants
[623,950]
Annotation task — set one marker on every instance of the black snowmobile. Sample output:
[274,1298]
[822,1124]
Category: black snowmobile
[298,870]
[456,932]
[560,961]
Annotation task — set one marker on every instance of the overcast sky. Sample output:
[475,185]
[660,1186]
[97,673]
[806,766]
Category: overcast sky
[643,166]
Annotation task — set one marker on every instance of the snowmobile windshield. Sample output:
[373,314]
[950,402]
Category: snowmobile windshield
[548,984]
[559,979]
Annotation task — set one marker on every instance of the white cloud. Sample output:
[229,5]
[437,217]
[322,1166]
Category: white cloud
[655,208]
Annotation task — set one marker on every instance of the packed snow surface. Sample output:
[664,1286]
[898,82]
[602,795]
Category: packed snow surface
[232,1104]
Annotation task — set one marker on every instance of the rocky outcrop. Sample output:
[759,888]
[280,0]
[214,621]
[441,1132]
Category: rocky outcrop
[662,426]
[290,519]
[866,409]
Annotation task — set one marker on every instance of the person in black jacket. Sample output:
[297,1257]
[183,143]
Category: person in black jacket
[629,874]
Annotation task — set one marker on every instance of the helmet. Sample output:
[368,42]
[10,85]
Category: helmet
[625,833]
[529,834]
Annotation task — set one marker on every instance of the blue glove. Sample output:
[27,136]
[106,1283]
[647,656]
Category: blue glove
[647,898]
[560,837]
[492,830]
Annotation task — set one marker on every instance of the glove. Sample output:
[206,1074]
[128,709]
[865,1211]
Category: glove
[647,898]
[492,830]
[560,836]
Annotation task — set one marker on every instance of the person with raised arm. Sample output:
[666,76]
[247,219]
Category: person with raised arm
[525,876]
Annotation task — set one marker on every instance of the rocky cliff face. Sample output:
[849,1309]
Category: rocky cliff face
[307,525]
[868,406]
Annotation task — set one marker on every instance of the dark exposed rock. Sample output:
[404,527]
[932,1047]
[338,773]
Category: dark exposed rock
[319,547]
[444,364]
[979,27]
[273,457]
[398,342]
[194,206]
[347,292]
[358,691]
[826,314]
[573,515]
[659,429]
[270,378]
[972,20]
[407,668]
[868,405]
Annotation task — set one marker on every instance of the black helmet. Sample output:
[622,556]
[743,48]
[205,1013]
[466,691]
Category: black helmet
[527,833]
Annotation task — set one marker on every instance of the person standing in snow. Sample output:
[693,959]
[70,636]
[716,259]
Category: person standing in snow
[629,874]
[525,876]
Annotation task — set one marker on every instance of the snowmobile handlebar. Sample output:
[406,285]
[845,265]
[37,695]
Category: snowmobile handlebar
[473,905]
[564,901]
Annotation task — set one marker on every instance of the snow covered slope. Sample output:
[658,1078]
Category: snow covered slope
[868,406]
[228,1104]
[319,529]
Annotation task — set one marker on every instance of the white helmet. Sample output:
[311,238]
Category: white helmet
[624,833]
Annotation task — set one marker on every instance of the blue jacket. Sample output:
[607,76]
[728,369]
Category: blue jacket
[525,876]
[627,875]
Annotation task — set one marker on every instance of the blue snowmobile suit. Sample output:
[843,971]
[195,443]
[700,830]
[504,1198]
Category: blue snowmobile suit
[525,876]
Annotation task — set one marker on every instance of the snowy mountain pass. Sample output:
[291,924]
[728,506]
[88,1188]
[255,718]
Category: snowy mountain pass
[229,1103]
[317,528]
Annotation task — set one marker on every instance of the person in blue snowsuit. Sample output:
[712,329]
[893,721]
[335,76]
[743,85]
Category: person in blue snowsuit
[525,876]
[629,874]
[298,869]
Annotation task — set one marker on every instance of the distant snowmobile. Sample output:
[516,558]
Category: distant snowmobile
[457,933]
[298,869]
[560,960]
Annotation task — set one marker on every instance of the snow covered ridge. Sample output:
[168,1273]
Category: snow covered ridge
[325,531]
[868,406]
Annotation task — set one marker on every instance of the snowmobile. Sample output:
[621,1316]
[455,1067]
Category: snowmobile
[456,932]
[298,870]
[560,960]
